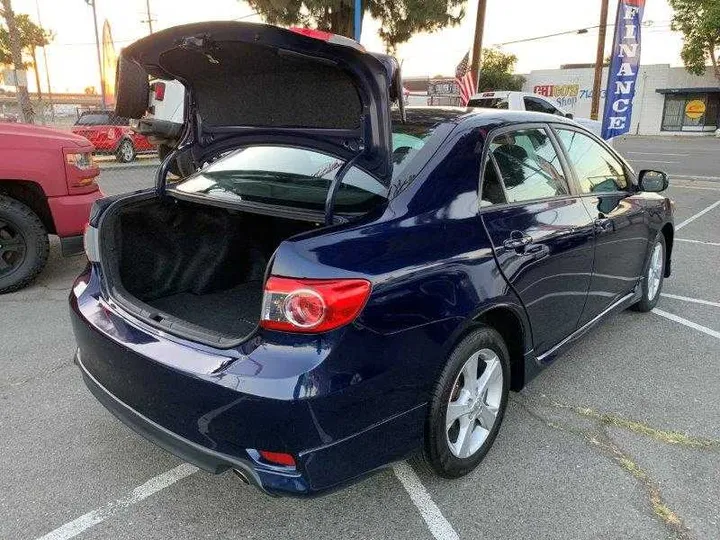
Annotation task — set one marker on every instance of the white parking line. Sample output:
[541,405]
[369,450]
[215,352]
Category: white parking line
[693,300]
[690,324]
[155,484]
[699,214]
[654,161]
[697,242]
[657,154]
[694,177]
[439,527]
[689,186]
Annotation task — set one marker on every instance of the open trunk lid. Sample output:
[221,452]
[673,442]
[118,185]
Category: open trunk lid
[256,83]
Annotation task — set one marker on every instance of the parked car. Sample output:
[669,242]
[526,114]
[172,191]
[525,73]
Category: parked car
[525,101]
[324,299]
[112,134]
[47,186]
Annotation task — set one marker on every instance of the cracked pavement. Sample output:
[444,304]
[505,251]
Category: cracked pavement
[620,438]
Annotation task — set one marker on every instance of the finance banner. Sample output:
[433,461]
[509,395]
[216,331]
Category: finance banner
[624,66]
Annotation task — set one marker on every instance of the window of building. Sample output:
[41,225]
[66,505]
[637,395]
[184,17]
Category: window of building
[691,112]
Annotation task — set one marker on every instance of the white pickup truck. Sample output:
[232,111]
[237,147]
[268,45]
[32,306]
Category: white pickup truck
[524,101]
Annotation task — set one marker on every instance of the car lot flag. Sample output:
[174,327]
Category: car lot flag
[464,79]
[624,65]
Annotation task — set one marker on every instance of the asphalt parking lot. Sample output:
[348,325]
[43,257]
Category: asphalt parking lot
[620,438]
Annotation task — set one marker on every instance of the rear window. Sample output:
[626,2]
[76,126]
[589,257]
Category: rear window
[489,103]
[287,176]
[300,177]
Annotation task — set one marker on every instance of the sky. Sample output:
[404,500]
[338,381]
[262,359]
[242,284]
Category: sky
[72,57]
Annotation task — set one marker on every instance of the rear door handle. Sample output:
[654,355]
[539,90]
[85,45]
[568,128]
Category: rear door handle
[517,241]
[603,225]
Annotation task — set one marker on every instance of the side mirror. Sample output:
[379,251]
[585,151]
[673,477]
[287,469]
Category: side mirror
[653,181]
[569,115]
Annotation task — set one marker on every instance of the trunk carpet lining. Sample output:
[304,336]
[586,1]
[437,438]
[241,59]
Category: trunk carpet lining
[234,312]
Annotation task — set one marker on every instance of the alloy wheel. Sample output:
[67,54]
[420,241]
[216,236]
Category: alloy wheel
[474,403]
[655,271]
[126,151]
[12,248]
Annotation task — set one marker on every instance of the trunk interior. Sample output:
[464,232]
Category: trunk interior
[192,263]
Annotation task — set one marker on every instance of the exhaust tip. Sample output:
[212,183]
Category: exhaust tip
[241,475]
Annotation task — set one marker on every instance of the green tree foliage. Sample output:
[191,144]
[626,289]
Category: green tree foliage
[31,37]
[699,21]
[496,72]
[399,19]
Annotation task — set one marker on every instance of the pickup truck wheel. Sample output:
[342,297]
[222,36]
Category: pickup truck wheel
[24,245]
[125,152]
[468,404]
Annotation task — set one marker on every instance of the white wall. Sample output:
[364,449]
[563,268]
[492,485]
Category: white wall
[647,104]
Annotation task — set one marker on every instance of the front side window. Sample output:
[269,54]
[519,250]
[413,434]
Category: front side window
[597,169]
[529,165]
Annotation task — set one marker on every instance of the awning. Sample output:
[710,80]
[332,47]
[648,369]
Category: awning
[708,90]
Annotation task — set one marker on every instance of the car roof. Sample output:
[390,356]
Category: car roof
[475,117]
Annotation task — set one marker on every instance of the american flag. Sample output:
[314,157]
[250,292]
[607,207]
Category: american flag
[464,79]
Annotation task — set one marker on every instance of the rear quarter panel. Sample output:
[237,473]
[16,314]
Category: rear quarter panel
[432,271]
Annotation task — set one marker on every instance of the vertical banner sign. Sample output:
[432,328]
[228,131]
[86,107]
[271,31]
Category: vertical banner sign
[624,66]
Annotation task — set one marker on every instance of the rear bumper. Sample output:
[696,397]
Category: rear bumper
[217,409]
[71,213]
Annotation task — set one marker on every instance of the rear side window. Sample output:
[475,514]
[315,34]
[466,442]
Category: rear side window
[288,176]
[597,169]
[528,164]
[489,103]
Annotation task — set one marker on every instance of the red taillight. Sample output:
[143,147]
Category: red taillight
[312,305]
[328,37]
[309,32]
[159,89]
[278,458]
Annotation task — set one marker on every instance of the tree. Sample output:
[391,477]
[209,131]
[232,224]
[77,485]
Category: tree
[32,36]
[699,21]
[399,19]
[496,72]
[15,55]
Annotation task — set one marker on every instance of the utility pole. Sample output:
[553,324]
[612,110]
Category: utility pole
[599,60]
[149,15]
[477,42]
[47,68]
[99,55]
[26,111]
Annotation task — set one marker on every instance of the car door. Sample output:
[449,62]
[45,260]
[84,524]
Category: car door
[541,232]
[619,219]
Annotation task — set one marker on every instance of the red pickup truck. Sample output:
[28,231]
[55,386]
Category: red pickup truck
[47,186]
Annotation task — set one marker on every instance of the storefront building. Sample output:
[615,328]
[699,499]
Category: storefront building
[668,100]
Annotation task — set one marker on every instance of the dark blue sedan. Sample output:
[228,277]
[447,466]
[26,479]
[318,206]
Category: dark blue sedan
[339,285]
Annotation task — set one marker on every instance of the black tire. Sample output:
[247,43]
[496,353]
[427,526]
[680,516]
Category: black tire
[647,302]
[24,245]
[438,453]
[125,152]
[132,89]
